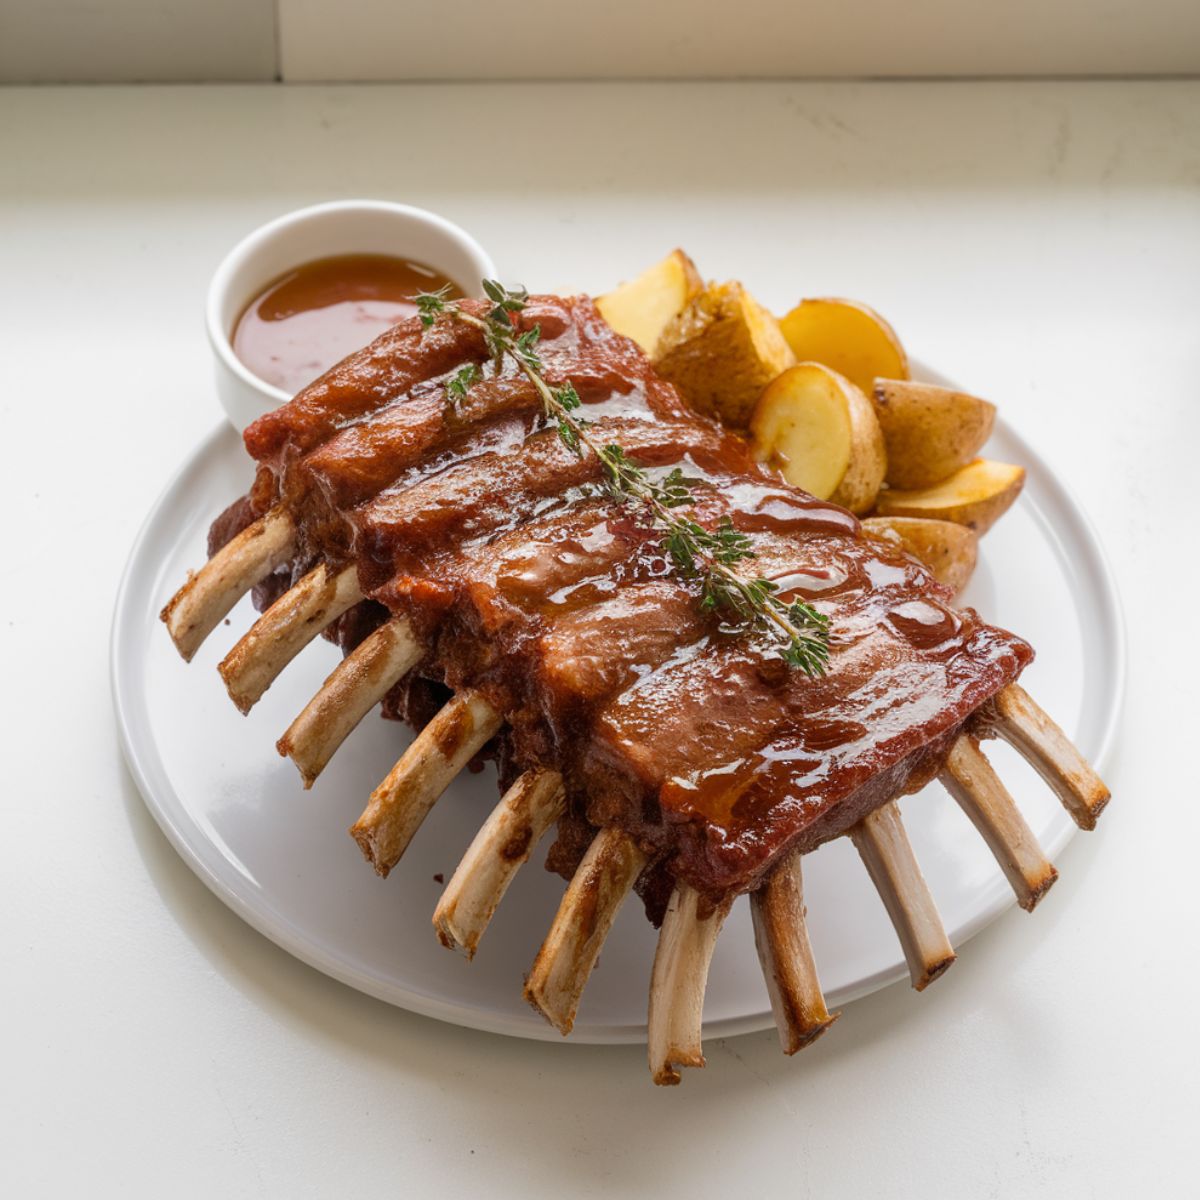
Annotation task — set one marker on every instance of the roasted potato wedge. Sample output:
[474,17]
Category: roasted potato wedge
[976,496]
[821,431]
[642,308]
[948,550]
[721,351]
[930,431]
[848,337]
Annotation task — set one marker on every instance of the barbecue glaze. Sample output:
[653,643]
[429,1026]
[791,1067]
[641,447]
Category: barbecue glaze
[530,583]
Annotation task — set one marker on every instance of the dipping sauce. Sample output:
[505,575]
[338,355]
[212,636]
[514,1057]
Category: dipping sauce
[316,314]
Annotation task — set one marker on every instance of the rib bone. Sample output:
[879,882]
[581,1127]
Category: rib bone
[284,630]
[196,609]
[970,779]
[1044,745]
[781,937]
[598,888]
[403,800]
[889,859]
[501,846]
[685,948]
[357,684]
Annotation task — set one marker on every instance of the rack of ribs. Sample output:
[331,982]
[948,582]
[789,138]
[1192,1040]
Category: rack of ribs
[484,585]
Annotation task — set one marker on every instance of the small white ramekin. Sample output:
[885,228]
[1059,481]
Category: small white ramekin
[340,227]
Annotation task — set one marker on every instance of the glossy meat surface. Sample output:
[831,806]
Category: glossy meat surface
[529,581]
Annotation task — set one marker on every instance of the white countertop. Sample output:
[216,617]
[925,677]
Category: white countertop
[1039,242]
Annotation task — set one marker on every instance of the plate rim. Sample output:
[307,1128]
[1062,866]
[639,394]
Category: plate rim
[1110,616]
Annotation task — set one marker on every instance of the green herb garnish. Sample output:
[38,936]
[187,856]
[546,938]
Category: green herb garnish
[710,555]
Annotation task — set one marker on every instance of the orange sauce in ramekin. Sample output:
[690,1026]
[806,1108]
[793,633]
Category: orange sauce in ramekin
[314,316]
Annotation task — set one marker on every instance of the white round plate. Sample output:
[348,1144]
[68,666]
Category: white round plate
[280,857]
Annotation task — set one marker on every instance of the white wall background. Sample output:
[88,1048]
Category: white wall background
[134,41]
[334,40]
[566,39]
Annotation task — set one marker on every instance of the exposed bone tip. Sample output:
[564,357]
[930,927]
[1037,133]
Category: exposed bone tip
[667,1073]
[804,1035]
[210,593]
[400,804]
[286,750]
[562,1018]
[1034,897]
[181,638]
[242,703]
[289,625]
[452,937]
[308,774]
[186,651]
[811,1035]
[370,852]
[443,926]
[1094,804]
[888,856]
[226,668]
[184,638]
[933,971]
[589,906]
[785,953]
[678,979]
[353,688]
[503,844]
[970,778]
[442,936]
[1042,743]
[169,608]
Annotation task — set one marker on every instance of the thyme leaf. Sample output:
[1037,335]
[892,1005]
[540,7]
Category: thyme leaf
[464,379]
[708,555]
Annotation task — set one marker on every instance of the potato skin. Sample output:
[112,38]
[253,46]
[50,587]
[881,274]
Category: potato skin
[930,431]
[950,551]
[721,351]
[868,455]
[976,496]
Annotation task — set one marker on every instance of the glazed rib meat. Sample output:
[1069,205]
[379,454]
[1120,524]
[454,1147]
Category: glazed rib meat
[527,582]
[417,506]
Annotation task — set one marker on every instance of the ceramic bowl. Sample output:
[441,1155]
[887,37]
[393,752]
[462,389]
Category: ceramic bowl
[340,227]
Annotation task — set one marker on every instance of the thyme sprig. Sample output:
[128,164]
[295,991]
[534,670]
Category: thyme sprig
[710,555]
[462,382]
